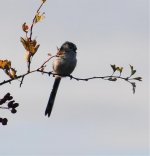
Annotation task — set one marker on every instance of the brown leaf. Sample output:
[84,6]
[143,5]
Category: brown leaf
[30,45]
[13,73]
[5,64]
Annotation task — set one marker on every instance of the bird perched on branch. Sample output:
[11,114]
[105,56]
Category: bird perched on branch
[63,65]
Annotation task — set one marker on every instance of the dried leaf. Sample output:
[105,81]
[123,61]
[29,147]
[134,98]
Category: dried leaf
[49,54]
[113,67]
[120,69]
[43,1]
[39,18]
[30,45]
[13,73]
[132,70]
[138,78]
[25,43]
[5,64]
[27,56]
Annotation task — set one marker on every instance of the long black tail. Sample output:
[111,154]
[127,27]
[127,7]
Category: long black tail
[52,97]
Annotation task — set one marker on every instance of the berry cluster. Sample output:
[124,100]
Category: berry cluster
[11,105]
[7,97]
[4,121]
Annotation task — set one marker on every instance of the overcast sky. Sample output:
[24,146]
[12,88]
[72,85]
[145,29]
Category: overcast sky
[93,118]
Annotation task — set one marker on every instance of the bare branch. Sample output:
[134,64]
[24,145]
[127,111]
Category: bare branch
[111,77]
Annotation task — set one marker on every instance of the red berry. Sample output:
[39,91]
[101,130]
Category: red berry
[4,121]
[15,105]
[10,98]
[2,101]
[10,104]
[13,111]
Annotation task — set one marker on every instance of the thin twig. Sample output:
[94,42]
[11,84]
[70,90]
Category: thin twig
[43,65]
[4,107]
[21,82]
[33,21]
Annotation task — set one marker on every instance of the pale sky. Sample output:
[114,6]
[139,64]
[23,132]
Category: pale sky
[94,118]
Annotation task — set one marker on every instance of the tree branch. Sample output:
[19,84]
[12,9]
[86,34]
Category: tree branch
[111,77]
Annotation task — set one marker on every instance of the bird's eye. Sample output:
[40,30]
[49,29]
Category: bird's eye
[70,47]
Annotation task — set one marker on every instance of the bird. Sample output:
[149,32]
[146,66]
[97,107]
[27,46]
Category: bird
[63,65]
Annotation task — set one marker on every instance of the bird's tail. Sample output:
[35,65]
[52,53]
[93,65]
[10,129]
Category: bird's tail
[52,97]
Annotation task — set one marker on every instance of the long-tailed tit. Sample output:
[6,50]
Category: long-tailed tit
[63,65]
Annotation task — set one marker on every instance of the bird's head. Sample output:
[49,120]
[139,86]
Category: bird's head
[68,46]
